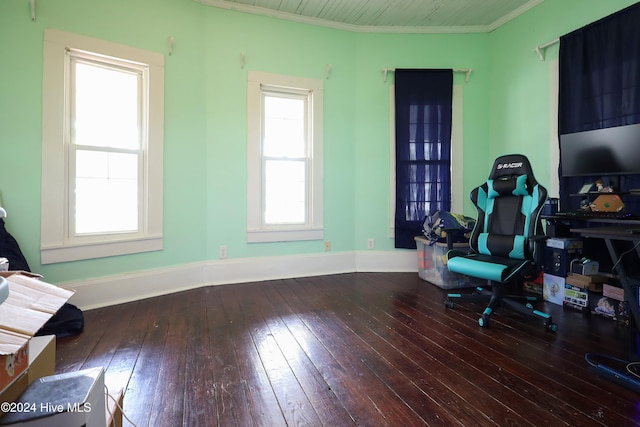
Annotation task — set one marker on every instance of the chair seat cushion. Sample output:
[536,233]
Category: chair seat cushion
[486,267]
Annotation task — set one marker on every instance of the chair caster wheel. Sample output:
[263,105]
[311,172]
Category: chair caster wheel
[551,327]
[483,321]
[448,303]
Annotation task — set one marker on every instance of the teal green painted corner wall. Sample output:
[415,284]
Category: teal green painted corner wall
[205,171]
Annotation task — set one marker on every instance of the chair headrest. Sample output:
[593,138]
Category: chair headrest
[510,165]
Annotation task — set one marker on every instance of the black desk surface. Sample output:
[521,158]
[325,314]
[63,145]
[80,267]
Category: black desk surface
[621,231]
[632,221]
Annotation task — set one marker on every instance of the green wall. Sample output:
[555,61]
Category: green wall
[505,109]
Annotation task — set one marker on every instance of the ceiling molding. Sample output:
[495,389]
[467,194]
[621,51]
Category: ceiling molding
[517,12]
[256,10]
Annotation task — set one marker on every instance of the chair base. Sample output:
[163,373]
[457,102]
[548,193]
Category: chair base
[522,304]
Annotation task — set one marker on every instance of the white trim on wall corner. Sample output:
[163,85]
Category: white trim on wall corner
[128,287]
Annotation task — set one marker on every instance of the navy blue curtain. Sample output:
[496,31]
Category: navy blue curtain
[423,149]
[599,68]
[600,74]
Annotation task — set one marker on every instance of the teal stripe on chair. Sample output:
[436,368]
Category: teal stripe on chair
[482,270]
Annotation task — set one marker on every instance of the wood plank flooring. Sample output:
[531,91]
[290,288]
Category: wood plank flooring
[366,349]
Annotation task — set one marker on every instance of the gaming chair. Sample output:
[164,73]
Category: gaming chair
[507,242]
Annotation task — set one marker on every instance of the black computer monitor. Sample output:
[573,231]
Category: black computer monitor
[601,152]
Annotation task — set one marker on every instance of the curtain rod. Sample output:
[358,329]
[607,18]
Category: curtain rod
[540,49]
[467,71]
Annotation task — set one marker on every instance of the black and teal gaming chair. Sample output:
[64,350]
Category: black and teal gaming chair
[507,242]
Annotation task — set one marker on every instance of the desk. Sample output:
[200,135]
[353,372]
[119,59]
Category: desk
[613,236]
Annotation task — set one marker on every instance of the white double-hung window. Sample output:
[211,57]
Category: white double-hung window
[102,149]
[284,158]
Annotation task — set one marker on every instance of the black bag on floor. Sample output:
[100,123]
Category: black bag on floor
[69,319]
[10,249]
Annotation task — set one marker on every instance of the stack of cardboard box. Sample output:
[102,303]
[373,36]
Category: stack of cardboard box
[23,358]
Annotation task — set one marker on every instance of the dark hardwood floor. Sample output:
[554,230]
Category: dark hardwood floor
[355,349]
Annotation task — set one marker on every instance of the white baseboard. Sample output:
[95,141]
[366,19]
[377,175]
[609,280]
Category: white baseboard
[121,288]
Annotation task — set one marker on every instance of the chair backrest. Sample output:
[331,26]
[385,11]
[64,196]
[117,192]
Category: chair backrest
[509,204]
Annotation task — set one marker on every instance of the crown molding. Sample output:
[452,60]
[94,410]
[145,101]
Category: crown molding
[514,14]
[256,10]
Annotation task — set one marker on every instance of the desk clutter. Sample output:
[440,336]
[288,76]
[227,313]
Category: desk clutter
[576,282]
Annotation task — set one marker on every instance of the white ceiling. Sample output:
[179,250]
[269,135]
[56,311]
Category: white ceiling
[402,16]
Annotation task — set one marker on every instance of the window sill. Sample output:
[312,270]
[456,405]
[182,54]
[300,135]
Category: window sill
[76,252]
[290,235]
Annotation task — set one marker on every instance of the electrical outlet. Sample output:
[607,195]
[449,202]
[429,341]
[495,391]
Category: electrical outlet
[371,243]
[327,245]
[222,252]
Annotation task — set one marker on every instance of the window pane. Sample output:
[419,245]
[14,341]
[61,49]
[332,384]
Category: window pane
[284,192]
[106,109]
[284,127]
[106,192]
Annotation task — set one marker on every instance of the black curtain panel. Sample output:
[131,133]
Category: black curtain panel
[600,74]
[423,149]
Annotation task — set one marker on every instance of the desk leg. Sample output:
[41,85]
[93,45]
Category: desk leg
[629,296]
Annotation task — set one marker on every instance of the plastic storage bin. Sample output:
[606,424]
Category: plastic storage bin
[432,266]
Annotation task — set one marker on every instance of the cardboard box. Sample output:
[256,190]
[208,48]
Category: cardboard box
[613,292]
[14,357]
[30,304]
[553,289]
[42,361]
[592,282]
[432,266]
[42,357]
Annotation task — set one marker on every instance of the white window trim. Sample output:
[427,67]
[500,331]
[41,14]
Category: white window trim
[457,189]
[56,244]
[256,230]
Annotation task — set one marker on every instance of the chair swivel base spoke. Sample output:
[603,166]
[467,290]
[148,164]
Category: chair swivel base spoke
[524,305]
